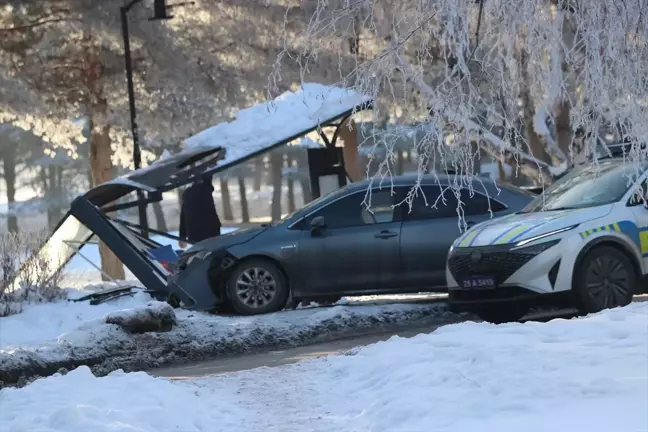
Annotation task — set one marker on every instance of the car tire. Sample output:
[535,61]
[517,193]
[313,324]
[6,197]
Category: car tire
[501,314]
[257,286]
[604,279]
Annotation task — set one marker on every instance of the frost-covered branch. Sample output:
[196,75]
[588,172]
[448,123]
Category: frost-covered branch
[511,63]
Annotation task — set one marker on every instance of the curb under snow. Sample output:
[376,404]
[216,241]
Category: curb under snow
[200,336]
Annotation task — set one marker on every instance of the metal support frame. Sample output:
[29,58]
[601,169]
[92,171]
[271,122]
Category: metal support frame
[331,143]
[150,230]
[130,204]
[102,227]
[77,249]
[336,133]
[326,161]
[160,14]
[137,153]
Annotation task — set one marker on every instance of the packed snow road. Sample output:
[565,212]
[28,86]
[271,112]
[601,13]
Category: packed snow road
[586,374]
[293,355]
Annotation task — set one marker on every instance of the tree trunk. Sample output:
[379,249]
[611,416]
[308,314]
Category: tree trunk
[160,221]
[536,148]
[304,179]
[89,173]
[179,192]
[292,206]
[100,157]
[563,127]
[258,173]
[400,162]
[225,198]
[9,165]
[245,211]
[349,134]
[500,171]
[276,166]
[54,194]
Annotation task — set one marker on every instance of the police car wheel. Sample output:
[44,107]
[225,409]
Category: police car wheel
[605,279]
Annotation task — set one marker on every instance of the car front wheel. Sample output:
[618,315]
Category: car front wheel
[256,287]
[605,279]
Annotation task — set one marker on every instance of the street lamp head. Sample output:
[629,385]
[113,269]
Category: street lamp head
[160,11]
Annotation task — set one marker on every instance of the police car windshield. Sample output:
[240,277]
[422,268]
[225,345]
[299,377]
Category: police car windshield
[588,186]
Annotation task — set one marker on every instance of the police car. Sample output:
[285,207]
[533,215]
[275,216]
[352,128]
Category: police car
[583,243]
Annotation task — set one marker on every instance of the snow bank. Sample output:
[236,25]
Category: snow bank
[263,125]
[87,339]
[38,323]
[584,374]
[155,316]
[135,402]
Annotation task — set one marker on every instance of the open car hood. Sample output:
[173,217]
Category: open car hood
[226,240]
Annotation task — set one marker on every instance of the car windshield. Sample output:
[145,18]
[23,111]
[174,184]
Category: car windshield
[588,186]
[305,209]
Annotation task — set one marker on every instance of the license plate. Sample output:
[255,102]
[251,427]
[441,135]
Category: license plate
[478,282]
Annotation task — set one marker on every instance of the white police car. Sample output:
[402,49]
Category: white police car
[584,243]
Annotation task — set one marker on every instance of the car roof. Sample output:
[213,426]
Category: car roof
[411,180]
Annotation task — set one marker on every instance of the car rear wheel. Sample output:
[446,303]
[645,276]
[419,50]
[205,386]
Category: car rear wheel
[605,279]
[256,287]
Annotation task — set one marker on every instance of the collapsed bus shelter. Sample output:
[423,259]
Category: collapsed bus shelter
[255,131]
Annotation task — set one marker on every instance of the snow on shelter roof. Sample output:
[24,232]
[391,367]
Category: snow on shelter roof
[255,130]
[266,125]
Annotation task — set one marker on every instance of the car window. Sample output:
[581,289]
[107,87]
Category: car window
[475,203]
[429,204]
[351,211]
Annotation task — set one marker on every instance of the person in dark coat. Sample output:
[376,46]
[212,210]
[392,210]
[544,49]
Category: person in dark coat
[198,217]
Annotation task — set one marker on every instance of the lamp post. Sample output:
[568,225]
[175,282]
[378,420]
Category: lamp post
[160,13]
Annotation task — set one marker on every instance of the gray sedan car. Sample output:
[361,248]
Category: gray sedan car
[337,246]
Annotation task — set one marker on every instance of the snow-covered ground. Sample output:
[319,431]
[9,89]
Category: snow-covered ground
[585,374]
[40,324]
[73,333]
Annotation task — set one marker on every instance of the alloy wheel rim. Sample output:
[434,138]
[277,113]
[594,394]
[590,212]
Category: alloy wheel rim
[607,282]
[256,287]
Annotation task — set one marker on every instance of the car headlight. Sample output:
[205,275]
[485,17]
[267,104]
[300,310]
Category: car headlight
[540,236]
[536,249]
[188,258]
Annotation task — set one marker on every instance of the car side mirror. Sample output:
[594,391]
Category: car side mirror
[317,224]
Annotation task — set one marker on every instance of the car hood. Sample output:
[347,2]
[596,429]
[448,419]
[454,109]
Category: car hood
[226,240]
[521,226]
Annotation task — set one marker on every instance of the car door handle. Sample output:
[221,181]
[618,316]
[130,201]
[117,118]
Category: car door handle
[385,234]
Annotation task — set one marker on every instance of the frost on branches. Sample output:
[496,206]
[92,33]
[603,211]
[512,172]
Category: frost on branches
[62,61]
[539,85]
[190,72]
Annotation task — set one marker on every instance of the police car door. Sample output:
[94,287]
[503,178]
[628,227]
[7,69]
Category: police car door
[638,207]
